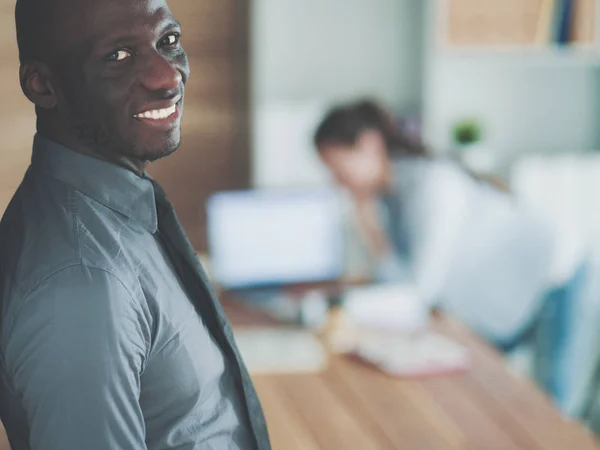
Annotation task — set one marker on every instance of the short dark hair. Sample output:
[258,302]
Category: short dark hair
[343,125]
[30,23]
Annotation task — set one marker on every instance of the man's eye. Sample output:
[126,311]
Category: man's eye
[119,55]
[171,39]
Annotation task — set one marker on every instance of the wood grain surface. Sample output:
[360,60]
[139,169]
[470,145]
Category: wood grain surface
[352,406]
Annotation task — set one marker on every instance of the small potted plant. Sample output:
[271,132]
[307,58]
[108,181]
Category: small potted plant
[467,136]
[467,133]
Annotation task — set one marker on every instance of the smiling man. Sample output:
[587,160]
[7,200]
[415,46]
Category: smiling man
[110,336]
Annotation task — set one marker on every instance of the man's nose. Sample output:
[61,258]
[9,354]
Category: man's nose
[161,74]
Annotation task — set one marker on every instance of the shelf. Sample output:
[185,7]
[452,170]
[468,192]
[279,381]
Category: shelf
[556,56]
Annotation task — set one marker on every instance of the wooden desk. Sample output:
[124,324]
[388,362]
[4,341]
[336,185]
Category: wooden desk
[351,406]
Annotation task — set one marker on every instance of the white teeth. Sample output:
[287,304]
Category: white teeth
[157,114]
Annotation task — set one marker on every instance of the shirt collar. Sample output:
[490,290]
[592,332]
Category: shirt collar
[110,185]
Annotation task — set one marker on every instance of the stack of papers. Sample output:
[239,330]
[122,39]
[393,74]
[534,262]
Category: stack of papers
[420,355]
[387,307]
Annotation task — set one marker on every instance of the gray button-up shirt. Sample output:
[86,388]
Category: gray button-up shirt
[110,336]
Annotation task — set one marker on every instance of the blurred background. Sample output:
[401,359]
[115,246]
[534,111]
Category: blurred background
[507,89]
[265,73]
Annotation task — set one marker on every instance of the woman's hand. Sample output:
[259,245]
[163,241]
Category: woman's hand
[370,226]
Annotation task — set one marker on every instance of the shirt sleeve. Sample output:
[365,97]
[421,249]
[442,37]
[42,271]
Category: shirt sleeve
[75,354]
[443,208]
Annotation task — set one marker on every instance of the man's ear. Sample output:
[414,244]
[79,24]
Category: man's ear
[37,84]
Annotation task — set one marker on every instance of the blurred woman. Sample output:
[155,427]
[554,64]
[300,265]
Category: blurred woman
[469,248]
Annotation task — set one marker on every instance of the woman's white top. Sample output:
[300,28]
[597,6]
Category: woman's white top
[469,248]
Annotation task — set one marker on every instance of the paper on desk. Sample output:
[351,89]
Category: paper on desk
[419,355]
[280,350]
[386,307]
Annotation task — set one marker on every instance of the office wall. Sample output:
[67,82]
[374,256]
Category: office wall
[548,106]
[328,48]
[308,54]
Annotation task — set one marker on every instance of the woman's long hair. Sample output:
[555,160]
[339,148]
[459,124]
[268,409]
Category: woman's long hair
[344,124]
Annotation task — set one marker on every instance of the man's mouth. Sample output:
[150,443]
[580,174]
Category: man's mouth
[156,114]
[160,113]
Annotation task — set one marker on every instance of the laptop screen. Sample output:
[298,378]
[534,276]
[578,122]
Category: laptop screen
[274,237]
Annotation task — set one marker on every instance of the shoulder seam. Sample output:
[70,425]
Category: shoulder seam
[80,263]
[129,292]
[72,202]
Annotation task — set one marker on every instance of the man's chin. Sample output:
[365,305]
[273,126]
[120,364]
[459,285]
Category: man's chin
[166,151]
[156,152]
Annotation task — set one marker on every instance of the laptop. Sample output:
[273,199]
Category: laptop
[273,238]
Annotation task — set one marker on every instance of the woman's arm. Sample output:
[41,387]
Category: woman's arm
[371,229]
[388,265]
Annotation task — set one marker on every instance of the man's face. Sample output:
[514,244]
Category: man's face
[122,71]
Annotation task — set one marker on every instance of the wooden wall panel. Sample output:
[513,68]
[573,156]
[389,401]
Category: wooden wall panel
[215,147]
[17,117]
